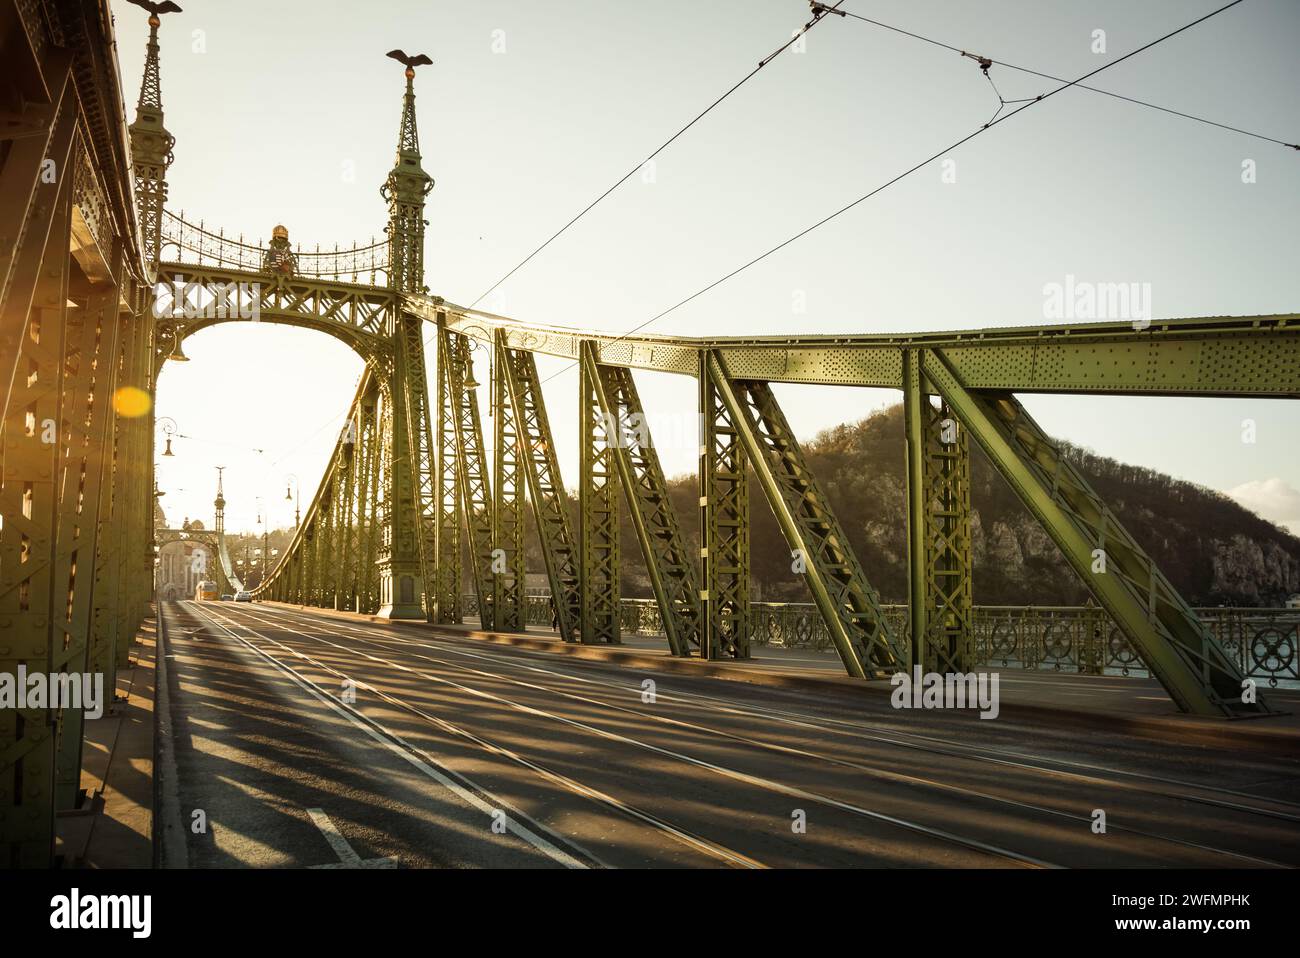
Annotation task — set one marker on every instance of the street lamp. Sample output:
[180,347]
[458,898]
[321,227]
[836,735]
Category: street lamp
[475,343]
[169,429]
[291,478]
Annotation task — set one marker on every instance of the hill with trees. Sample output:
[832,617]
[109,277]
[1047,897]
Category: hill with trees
[1214,551]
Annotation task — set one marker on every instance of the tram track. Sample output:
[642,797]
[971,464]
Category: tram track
[1142,785]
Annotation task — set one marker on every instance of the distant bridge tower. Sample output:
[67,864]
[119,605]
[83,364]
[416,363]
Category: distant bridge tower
[220,505]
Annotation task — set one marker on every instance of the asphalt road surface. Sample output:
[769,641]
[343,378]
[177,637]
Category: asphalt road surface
[307,740]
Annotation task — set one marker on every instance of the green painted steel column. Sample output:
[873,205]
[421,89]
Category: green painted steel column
[918,547]
[508,481]
[598,531]
[724,522]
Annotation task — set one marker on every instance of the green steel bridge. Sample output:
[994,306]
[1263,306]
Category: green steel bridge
[101,283]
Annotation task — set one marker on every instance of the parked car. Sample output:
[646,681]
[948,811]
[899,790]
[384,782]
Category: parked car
[227,598]
[243,597]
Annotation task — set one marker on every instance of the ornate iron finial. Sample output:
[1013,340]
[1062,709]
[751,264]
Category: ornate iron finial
[151,83]
[408,139]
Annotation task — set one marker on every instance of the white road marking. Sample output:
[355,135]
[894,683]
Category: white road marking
[694,841]
[858,730]
[348,858]
[756,781]
[399,746]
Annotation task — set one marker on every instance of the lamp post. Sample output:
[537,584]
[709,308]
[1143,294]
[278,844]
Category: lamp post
[291,478]
[168,425]
[263,520]
[475,343]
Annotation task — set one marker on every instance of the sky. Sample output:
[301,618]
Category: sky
[288,113]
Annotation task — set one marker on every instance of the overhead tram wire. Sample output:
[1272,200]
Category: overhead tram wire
[818,14]
[1056,79]
[1066,84]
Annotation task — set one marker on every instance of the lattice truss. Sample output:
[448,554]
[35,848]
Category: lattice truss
[724,508]
[473,491]
[946,483]
[1174,643]
[407,488]
[190,298]
[445,489]
[331,559]
[507,610]
[598,526]
[542,473]
[618,420]
[820,550]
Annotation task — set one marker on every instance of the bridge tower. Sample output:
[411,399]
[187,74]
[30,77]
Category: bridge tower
[408,554]
[151,155]
[219,504]
[151,150]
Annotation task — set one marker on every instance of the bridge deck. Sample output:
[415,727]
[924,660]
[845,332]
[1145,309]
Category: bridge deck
[1116,702]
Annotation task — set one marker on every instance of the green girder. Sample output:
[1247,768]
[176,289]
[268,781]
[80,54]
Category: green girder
[542,471]
[724,521]
[668,562]
[1178,649]
[598,531]
[383,533]
[820,552]
[508,482]
[471,467]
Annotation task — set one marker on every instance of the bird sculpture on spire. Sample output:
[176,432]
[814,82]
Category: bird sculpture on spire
[156,8]
[411,61]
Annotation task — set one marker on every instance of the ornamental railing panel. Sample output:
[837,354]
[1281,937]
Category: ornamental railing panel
[1265,643]
[194,244]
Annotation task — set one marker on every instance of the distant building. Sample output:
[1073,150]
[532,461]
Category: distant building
[182,566]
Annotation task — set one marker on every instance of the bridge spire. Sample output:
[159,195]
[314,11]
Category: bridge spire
[405,189]
[220,503]
[151,144]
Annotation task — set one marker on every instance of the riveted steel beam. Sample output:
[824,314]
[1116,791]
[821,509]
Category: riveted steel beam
[1180,651]
[507,612]
[90,375]
[724,520]
[471,468]
[36,540]
[938,526]
[598,569]
[1199,356]
[446,487]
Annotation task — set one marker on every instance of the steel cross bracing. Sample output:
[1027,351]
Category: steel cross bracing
[91,308]
[506,610]
[475,495]
[541,471]
[668,562]
[598,532]
[820,550]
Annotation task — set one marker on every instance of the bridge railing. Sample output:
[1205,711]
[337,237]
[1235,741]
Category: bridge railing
[1265,643]
[190,243]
